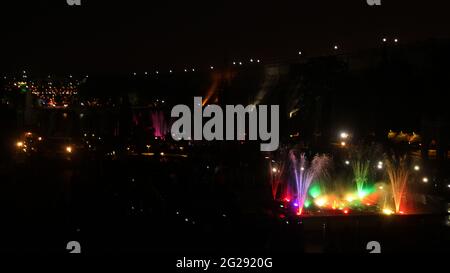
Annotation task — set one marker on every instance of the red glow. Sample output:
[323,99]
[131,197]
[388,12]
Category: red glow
[287,199]
[300,211]
[282,216]
[346,211]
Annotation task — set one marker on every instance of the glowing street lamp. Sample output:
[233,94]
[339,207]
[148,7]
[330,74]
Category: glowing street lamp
[69,149]
[425,180]
[417,168]
[380,165]
[344,135]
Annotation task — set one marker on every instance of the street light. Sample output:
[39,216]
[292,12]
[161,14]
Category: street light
[69,149]
[380,165]
[344,135]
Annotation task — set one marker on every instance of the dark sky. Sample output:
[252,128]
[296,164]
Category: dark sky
[124,36]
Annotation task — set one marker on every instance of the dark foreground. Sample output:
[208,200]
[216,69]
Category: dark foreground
[144,205]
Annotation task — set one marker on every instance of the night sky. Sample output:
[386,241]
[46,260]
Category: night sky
[124,36]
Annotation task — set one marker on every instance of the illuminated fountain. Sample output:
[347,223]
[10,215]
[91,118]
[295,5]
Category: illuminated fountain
[361,176]
[277,173]
[159,124]
[304,173]
[398,174]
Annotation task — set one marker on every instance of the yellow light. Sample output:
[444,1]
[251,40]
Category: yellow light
[417,168]
[320,202]
[162,154]
[274,170]
[350,198]
[387,211]
[40,138]
[343,144]
[19,144]
[344,135]
[69,149]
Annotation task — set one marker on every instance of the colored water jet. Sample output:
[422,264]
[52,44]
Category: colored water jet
[398,173]
[361,175]
[304,172]
[159,124]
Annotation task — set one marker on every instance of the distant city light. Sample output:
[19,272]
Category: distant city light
[344,135]
[19,144]
[384,40]
[425,180]
[347,162]
[380,165]
[417,168]
[336,47]
[69,149]
[343,144]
